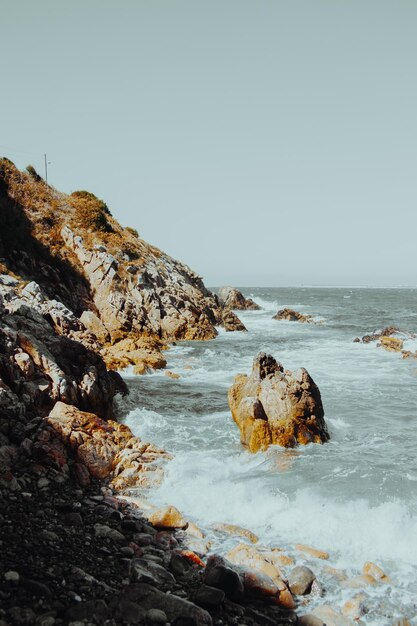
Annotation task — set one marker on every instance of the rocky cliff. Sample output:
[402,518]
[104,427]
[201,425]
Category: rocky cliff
[79,293]
[132,296]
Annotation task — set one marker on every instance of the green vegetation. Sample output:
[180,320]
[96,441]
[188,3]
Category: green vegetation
[33,173]
[90,212]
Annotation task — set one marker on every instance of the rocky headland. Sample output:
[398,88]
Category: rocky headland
[81,297]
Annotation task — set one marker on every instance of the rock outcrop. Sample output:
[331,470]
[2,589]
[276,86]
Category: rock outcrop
[276,406]
[391,339]
[290,315]
[232,298]
[39,366]
[116,285]
[108,449]
[231,322]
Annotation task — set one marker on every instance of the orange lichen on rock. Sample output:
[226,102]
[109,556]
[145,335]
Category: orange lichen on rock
[276,406]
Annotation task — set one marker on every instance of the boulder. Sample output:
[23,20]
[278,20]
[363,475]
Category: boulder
[231,322]
[167,517]
[237,531]
[107,449]
[300,580]
[290,315]
[247,556]
[276,406]
[232,298]
[371,569]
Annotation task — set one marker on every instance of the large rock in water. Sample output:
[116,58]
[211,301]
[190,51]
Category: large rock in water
[290,315]
[276,406]
[232,298]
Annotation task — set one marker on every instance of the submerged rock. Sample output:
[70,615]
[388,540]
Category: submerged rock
[232,298]
[292,316]
[276,406]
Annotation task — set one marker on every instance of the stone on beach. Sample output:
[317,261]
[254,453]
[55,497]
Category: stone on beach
[237,531]
[172,375]
[314,552]
[371,569]
[248,556]
[332,617]
[356,607]
[276,406]
[300,580]
[358,582]
[167,517]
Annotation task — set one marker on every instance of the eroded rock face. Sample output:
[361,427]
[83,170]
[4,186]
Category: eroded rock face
[290,315]
[231,322]
[42,359]
[162,296]
[232,298]
[108,449]
[276,406]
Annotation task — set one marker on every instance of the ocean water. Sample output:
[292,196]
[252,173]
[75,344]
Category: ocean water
[355,496]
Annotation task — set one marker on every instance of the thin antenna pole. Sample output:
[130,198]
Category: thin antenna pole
[46,169]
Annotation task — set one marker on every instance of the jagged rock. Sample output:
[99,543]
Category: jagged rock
[232,298]
[293,316]
[231,322]
[385,332]
[276,406]
[107,449]
[143,353]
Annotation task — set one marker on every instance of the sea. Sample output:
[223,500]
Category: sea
[355,496]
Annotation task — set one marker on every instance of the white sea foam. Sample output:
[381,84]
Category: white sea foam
[356,496]
[227,490]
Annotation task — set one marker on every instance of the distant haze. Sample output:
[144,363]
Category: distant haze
[263,142]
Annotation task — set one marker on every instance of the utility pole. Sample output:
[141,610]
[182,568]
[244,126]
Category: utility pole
[46,169]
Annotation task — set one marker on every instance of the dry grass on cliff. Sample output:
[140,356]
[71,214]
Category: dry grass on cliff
[48,210]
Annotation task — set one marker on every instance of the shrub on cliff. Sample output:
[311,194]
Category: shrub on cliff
[91,212]
[132,231]
[33,173]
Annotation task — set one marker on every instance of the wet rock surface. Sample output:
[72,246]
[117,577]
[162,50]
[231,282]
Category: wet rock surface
[390,339]
[290,315]
[232,298]
[276,406]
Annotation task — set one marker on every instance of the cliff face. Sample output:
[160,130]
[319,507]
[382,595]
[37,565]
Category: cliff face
[117,285]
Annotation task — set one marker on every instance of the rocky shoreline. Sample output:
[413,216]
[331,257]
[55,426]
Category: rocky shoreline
[81,297]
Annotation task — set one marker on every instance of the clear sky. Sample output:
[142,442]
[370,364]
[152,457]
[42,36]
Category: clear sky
[263,142]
